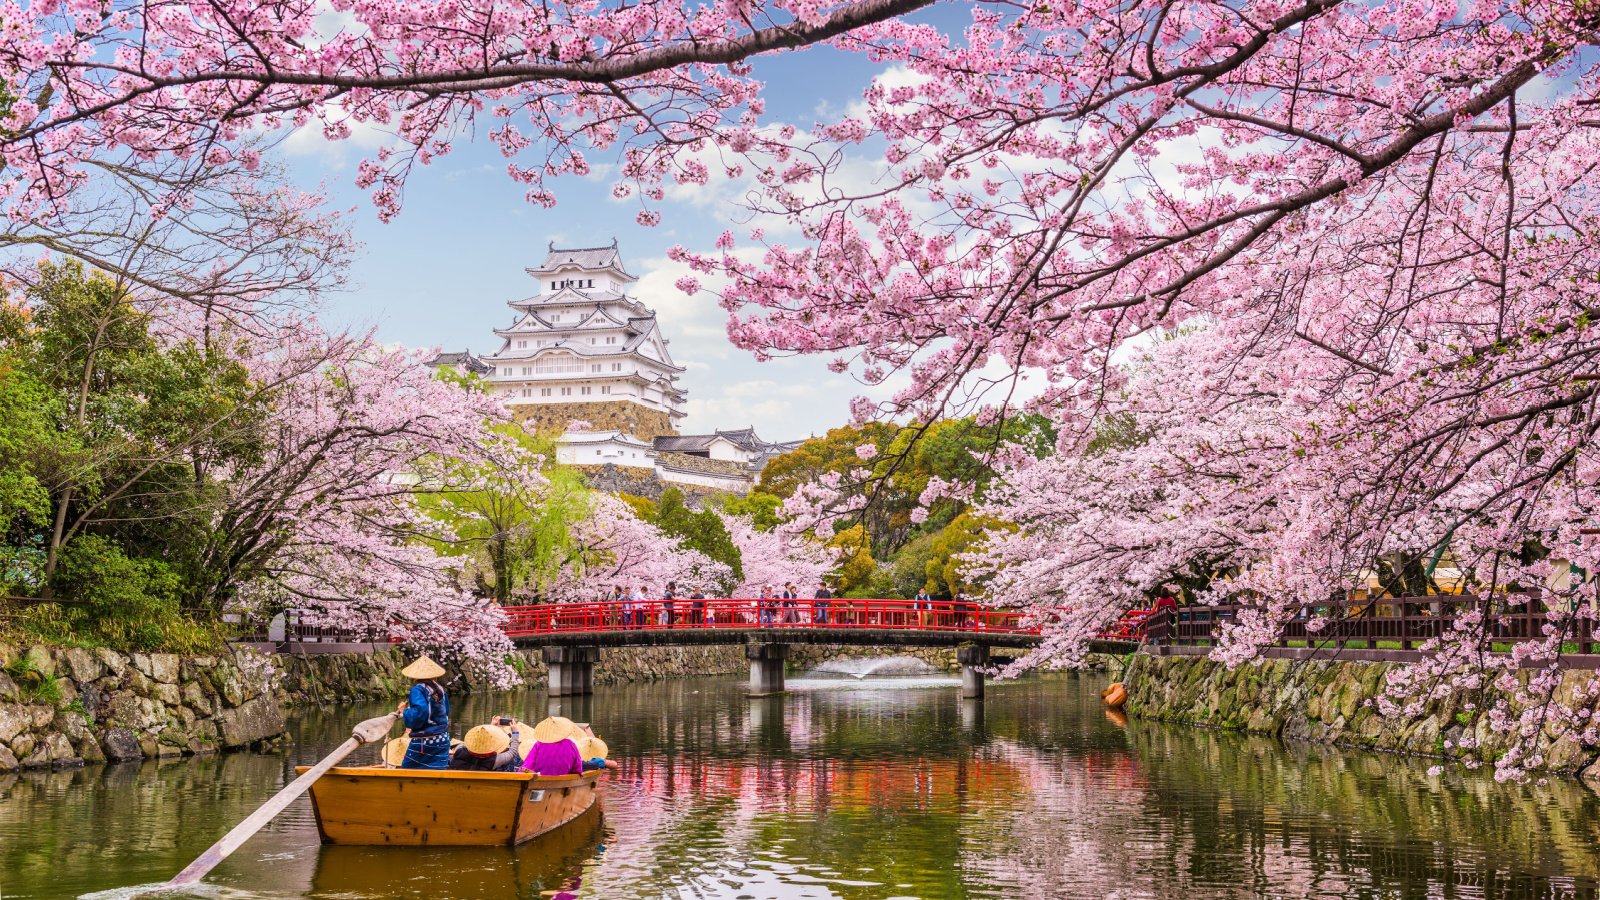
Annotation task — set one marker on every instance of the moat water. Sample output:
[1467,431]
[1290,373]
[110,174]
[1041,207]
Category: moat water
[861,789]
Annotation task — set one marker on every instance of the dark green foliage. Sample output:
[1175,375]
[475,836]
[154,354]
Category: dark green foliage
[109,441]
[700,530]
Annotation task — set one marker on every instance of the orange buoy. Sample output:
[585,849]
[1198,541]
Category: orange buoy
[1115,696]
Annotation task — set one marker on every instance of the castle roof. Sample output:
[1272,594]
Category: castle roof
[744,438]
[464,359]
[581,257]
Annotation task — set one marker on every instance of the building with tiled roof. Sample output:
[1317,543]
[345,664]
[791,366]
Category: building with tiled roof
[581,341]
[463,362]
[583,357]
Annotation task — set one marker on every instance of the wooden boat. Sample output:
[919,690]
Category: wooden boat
[374,806]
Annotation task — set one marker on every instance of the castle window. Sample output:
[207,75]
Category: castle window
[566,392]
[616,367]
[558,363]
[522,345]
[591,340]
[605,388]
[527,392]
[595,367]
[527,370]
[586,392]
[544,392]
[611,340]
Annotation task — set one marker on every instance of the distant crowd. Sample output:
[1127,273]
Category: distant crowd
[640,607]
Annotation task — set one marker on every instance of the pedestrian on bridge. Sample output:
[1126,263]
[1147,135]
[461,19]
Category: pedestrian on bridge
[822,597]
[767,606]
[698,607]
[791,600]
[667,598]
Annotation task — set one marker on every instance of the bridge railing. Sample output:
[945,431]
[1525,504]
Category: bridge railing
[1398,623]
[746,613]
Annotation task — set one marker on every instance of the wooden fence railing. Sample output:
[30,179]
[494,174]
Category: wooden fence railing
[1403,623]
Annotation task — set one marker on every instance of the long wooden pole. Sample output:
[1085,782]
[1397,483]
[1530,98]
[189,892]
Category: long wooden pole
[368,732]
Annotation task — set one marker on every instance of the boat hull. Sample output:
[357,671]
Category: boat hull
[444,808]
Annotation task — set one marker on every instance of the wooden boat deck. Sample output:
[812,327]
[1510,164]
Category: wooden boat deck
[374,806]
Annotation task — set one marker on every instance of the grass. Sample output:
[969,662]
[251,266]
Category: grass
[39,686]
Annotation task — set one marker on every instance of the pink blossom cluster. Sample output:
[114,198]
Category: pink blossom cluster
[332,502]
[777,557]
[621,550]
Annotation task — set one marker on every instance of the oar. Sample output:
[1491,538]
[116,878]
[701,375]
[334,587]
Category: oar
[368,732]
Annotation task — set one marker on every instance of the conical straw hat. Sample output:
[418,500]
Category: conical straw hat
[394,752]
[555,728]
[593,748]
[486,739]
[423,669]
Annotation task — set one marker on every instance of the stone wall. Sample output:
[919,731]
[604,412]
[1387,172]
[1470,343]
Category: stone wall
[612,479]
[640,421]
[1325,702]
[65,707]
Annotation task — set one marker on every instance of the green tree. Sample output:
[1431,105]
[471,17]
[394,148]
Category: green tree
[510,521]
[700,530]
[107,446]
[856,565]
[945,571]
[761,507]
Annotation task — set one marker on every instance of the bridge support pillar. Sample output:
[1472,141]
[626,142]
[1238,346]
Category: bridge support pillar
[766,668]
[973,659]
[571,670]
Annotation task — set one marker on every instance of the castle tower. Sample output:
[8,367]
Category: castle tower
[582,349]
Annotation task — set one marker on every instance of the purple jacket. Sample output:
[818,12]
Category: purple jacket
[560,758]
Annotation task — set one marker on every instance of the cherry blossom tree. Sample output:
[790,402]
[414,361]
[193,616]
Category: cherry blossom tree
[1371,224]
[327,523]
[620,550]
[777,557]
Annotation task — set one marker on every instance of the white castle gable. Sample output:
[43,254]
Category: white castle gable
[583,339]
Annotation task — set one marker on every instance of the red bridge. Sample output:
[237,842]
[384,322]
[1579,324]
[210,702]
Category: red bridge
[571,634]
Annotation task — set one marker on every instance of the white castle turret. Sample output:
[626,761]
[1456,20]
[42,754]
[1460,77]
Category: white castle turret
[583,343]
[582,350]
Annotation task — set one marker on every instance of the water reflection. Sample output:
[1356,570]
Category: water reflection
[881,792]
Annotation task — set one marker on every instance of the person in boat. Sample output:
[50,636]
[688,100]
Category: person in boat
[555,748]
[593,752]
[426,712]
[489,748]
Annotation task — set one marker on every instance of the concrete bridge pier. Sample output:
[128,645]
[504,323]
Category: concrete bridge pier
[766,668]
[973,659]
[571,670]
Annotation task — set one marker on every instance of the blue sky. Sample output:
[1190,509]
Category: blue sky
[441,273]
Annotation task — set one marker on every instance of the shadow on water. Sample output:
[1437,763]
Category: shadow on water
[856,793]
[552,863]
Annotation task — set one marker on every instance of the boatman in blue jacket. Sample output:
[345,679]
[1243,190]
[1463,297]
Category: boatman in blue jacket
[427,716]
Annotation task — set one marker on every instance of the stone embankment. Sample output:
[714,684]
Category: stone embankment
[67,707]
[1329,702]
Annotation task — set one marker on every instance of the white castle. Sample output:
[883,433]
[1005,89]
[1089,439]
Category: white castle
[582,350]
